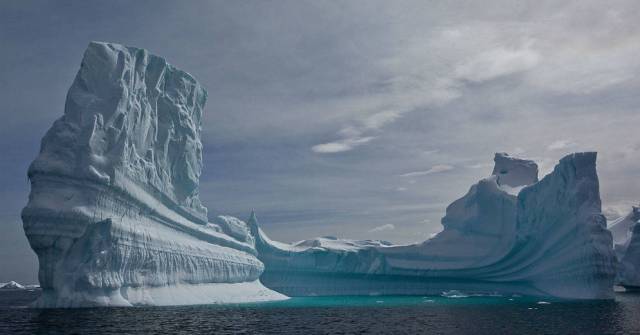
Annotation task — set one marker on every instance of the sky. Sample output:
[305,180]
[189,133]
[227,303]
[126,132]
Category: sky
[356,119]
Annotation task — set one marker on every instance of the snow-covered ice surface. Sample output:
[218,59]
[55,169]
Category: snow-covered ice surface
[547,239]
[626,238]
[114,213]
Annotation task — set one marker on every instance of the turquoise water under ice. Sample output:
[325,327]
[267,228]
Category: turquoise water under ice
[456,314]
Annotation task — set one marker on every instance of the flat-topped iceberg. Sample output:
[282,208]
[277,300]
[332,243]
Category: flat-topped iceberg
[547,239]
[114,213]
[626,238]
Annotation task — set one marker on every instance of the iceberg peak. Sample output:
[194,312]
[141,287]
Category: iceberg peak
[514,172]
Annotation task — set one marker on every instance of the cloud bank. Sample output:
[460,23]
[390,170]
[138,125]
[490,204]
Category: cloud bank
[316,108]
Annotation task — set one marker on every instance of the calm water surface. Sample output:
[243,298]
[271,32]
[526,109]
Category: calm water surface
[343,315]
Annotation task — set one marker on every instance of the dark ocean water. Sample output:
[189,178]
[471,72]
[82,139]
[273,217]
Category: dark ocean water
[341,315]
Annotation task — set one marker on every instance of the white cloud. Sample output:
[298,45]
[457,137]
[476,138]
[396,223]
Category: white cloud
[354,136]
[496,63]
[430,152]
[376,121]
[480,165]
[434,169]
[561,145]
[341,145]
[518,151]
[588,63]
[384,227]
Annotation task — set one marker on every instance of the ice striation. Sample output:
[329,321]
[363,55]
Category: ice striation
[510,234]
[626,238]
[114,212]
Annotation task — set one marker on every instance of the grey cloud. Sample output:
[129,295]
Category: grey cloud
[560,145]
[379,84]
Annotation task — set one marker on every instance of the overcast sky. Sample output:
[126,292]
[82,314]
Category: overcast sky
[361,119]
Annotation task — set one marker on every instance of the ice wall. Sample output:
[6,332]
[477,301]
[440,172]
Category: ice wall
[130,117]
[114,212]
[563,246]
[549,239]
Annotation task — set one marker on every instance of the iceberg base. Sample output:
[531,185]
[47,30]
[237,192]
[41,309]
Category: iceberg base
[173,295]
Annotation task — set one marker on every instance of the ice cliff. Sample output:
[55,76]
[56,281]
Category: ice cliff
[626,238]
[510,234]
[114,212]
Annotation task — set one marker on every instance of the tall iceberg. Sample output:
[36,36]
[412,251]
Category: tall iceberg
[114,212]
[510,234]
[626,238]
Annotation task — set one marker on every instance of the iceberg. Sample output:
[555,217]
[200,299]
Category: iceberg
[115,217]
[510,234]
[626,238]
[114,214]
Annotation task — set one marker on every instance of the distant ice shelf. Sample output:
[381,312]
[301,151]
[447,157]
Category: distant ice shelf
[509,234]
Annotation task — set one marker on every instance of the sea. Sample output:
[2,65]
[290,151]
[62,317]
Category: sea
[447,314]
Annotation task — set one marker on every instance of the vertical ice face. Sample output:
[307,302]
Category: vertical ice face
[626,237]
[114,213]
[563,245]
[130,117]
